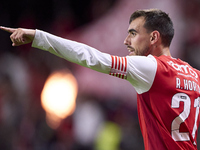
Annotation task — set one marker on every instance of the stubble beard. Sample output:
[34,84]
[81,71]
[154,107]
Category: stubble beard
[144,52]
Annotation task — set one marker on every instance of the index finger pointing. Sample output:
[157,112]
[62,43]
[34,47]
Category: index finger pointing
[10,30]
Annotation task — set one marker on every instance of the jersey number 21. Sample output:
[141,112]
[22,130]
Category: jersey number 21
[175,126]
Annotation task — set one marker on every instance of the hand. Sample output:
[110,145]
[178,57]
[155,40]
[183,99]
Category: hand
[20,36]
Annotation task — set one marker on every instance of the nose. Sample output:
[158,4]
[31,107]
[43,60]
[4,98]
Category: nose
[127,41]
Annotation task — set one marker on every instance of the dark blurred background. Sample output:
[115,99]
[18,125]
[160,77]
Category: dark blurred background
[106,106]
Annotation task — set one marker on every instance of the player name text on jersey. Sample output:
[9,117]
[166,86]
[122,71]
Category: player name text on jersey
[187,85]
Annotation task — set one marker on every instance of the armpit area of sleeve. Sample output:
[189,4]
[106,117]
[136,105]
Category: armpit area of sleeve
[38,41]
[141,72]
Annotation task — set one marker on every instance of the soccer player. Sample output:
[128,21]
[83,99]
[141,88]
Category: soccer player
[168,88]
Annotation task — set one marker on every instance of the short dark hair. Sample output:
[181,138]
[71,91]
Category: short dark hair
[156,19]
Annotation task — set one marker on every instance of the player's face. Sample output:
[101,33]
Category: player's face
[138,39]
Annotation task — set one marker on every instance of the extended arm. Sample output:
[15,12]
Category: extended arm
[72,51]
[132,68]
[138,70]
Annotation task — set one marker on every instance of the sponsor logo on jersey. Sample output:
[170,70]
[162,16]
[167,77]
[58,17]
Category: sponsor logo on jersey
[185,69]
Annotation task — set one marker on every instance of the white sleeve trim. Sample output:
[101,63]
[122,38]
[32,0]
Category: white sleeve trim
[141,72]
[73,51]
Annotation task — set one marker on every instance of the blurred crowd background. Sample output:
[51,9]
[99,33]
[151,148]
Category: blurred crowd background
[106,113]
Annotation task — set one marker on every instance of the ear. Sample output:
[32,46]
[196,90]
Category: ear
[155,37]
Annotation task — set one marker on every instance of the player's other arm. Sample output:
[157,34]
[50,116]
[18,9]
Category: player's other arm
[70,50]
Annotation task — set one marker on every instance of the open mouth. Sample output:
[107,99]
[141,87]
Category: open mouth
[131,50]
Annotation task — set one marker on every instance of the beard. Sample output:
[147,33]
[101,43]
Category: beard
[138,52]
[145,51]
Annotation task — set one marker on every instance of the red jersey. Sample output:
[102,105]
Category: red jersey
[168,89]
[169,110]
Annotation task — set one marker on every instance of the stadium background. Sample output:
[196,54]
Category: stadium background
[109,102]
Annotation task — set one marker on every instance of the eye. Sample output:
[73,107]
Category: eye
[133,33]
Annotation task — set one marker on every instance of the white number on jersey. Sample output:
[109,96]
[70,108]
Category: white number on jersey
[175,126]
